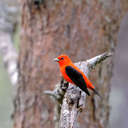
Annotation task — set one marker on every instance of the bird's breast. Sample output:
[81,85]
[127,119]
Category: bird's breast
[64,74]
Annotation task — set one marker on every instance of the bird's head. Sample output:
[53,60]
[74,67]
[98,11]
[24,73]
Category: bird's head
[63,60]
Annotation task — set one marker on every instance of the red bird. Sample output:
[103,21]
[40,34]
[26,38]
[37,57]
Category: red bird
[74,75]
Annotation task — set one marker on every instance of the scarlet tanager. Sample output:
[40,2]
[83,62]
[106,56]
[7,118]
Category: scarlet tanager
[74,75]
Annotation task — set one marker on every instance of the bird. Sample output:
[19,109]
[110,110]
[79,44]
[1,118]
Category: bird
[74,75]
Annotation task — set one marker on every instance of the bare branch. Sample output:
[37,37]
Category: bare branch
[98,59]
[59,91]
[50,93]
[73,100]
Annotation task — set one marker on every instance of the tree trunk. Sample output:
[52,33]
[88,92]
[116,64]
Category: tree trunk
[79,28]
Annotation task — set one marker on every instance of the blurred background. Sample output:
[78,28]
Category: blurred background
[119,82]
[119,90]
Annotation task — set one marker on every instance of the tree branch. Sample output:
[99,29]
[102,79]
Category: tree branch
[73,99]
[98,59]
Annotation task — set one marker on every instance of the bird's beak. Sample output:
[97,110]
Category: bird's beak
[56,59]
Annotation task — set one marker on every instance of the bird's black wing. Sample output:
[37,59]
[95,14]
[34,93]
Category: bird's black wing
[77,78]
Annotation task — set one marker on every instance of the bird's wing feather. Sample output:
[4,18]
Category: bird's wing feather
[77,78]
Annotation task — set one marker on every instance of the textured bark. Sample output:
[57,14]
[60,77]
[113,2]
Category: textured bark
[81,29]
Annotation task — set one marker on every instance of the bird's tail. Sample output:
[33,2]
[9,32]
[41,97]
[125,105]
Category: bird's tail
[96,92]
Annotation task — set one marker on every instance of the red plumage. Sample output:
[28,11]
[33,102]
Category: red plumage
[74,75]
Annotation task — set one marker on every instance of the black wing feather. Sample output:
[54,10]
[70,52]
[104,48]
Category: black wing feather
[77,78]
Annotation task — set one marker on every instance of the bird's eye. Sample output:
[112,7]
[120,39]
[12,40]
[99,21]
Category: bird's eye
[62,58]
